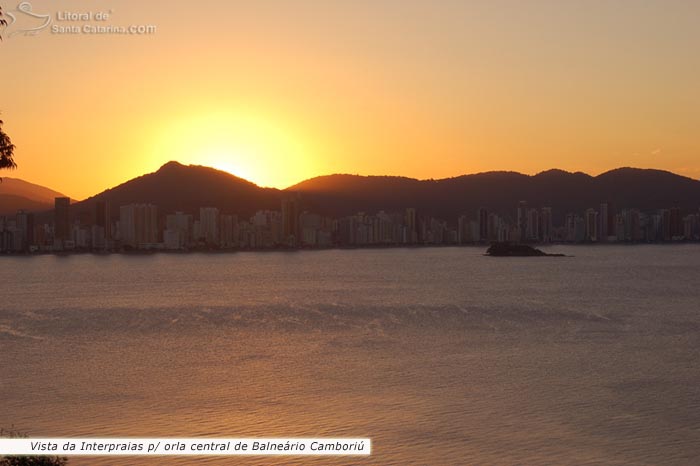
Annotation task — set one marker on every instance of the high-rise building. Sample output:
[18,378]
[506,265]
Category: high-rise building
[665,225]
[522,221]
[570,227]
[290,219]
[591,225]
[103,218]
[347,230]
[228,237]
[482,216]
[412,232]
[138,225]
[25,230]
[179,228]
[632,225]
[676,223]
[546,225]
[497,230]
[438,231]
[209,225]
[580,229]
[532,229]
[462,225]
[309,224]
[62,230]
[603,222]
[620,227]
[691,227]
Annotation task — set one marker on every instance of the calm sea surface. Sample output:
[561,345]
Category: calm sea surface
[441,356]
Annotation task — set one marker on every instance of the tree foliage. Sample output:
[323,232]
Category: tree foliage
[28,460]
[7,150]
[3,21]
[32,461]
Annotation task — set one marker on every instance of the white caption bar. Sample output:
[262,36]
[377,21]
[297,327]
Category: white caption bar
[186,446]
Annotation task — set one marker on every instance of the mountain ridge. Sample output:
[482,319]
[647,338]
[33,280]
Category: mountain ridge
[17,194]
[564,191]
[177,187]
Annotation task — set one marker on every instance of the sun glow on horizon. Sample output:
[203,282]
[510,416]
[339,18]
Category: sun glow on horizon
[249,146]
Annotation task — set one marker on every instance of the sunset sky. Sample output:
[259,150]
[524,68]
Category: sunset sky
[280,91]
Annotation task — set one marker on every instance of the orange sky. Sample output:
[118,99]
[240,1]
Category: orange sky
[280,91]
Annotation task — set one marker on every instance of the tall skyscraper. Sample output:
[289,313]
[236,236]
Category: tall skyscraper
[103,218]
[632,225]
[603,222]
[483,219]
[591,225]
[497,230]
[676,223]
[25,230]
[570,227]
[290,219]
[532,230]
[546,225]
[180,225]
[62,219]
[209,225]
[138,224]
[227,228]
[522,221]
[666,233]
[462,227]
[412,232]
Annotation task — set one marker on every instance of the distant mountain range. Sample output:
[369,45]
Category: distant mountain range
[16,194]
[501,192]
[176,187]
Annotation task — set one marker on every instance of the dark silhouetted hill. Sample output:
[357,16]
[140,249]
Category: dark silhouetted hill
[176,187]
[16,194]
[9,204]
[187,188]
[500,192]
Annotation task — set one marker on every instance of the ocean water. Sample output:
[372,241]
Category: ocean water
[441,356]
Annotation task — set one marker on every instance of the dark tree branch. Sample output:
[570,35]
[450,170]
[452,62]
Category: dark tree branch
[7,151]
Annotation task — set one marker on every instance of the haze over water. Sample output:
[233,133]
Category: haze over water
[440,355]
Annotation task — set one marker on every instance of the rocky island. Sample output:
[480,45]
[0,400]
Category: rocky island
[505,249]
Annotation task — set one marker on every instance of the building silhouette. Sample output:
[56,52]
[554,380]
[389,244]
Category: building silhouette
[138,225]
[522,221]
[103,218]
[62,231]
[209,225]
[291,209]
[483,220]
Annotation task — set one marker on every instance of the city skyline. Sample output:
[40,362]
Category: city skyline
[281,93]
[141,226]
